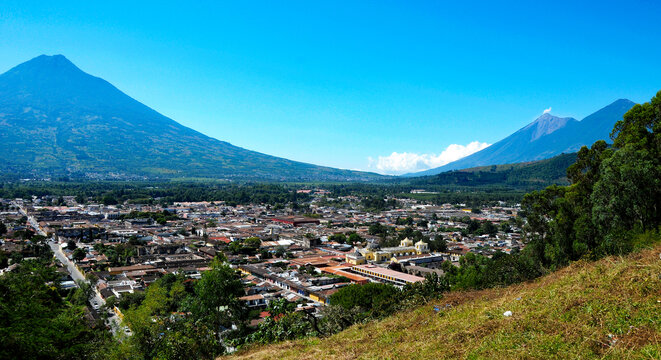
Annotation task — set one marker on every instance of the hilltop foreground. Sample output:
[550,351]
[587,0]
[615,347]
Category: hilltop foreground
[606,309]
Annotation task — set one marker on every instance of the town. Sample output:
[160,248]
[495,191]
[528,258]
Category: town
[330,180]
[282,254]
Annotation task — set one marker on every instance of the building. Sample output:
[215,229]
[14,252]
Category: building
[386,275]
[343,270]
[427,260]
[256,300]
[355,258]
[405,248]
[296,221]
[122,269]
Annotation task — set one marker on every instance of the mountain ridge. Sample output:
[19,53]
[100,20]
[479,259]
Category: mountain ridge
[547,124]
[543,138]
[55,119]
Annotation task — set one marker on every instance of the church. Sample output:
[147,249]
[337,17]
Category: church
[373,253]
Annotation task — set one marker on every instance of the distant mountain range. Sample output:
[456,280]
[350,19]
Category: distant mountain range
[545,137]
[56,119]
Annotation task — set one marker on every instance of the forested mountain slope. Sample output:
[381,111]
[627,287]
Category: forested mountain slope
[56,120]
[526,175]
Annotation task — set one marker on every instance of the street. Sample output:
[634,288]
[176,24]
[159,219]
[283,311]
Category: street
[113,320]
[76,275]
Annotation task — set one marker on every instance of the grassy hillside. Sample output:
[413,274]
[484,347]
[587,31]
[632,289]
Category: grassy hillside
[607,309]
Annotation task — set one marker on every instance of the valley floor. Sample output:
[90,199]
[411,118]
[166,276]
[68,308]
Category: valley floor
[606,309]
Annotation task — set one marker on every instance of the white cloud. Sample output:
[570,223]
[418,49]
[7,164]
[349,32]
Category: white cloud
[400,163]
[546,111]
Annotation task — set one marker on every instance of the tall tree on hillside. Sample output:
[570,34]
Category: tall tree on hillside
[629,197]
[615,192]
[217,298]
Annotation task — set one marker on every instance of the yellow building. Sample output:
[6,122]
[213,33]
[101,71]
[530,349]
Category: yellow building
[406,243]
[405,248]
[421,247]
[355,258]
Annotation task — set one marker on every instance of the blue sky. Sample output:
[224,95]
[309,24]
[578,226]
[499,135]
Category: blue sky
[347,84]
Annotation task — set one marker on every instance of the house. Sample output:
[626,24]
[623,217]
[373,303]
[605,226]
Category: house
[252,301]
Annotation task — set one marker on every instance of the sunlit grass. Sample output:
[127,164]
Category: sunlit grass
[608,309]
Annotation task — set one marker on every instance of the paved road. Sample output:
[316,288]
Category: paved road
[75,273]
[113,320]
[33,222]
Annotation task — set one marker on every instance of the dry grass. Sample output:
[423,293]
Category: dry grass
[609,309]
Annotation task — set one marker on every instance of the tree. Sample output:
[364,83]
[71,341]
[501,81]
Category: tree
[337,318]
[92,278]
[438,244]
[378,229]
[265,254]
[82,294]
[279,252]
[473,226]
[217,295]
[627,195]
[615,193]
[252,242]
[109,200]
[162,327]
[636,168]
[79,254]
[404,221]
[422,292]
[235,247]
[280,306]
[111,302]
[283,323]
[487,227]
[354,238]
[338,238]
[3,228]
[71,245]
[374,299]
[37,323]
[24,234]
[131,300]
